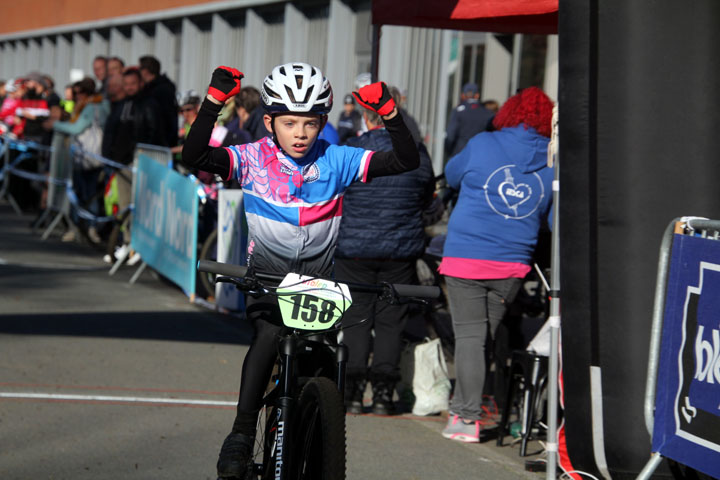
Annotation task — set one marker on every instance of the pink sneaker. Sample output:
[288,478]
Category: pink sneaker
[462,430]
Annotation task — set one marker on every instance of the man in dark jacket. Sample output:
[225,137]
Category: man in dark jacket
[466,120]
[132,120]
[380,243]
[162,89]
[350,121]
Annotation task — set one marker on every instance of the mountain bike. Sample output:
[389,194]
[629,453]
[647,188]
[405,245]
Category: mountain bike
[301,426]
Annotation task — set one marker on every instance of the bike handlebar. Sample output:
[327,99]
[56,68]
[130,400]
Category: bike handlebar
[222,268]
[419,291]
[399,289]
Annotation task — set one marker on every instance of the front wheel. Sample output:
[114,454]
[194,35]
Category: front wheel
[319,432]
[263,462]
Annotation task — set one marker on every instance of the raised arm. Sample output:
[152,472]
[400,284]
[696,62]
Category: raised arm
[196,152]
[404,155]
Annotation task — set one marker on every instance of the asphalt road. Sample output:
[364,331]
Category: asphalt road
[102,379]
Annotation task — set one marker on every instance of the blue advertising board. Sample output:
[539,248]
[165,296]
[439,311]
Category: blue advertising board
[164,223]
[687,401]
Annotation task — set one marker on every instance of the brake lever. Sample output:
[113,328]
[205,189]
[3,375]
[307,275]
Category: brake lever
[247,284]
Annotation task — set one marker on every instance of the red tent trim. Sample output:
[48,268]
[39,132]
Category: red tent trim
[502,16]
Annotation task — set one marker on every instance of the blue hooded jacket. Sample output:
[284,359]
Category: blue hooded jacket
[505,194]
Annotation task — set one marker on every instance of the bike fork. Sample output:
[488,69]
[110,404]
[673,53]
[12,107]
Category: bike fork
[341,358]
[288,347]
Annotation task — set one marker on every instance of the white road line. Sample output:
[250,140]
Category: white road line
[111,398]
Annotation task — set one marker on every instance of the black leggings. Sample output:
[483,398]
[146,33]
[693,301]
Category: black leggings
[264,314]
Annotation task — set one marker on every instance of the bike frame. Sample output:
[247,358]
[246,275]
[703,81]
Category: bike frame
[291,346]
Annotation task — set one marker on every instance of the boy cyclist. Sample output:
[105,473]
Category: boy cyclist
[293,186]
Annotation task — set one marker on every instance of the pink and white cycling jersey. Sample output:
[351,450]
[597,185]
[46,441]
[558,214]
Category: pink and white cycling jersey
[293,208]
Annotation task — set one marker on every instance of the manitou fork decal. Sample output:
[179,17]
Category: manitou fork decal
[279,445]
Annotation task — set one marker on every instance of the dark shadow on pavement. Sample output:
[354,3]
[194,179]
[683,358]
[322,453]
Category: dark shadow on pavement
[205,327]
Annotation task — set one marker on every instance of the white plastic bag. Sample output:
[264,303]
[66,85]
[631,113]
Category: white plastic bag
[89,143]
[540,344]
[431,384]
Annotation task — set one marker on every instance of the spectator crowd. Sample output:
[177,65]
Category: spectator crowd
[496,168]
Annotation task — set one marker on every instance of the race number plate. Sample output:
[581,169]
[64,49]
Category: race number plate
[310,303]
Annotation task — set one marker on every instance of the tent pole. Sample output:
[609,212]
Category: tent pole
[553,361]
[375,55]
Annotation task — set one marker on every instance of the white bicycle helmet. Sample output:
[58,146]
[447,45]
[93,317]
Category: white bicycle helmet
[297,87]
[188,97]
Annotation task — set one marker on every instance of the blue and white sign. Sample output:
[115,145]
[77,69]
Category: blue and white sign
[687,403]
[164,223]
[231,244]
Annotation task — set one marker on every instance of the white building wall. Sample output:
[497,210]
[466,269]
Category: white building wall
[195,70]
[20,56]
[48,62]
[220,48]
[63,52]
[411,59]
[552,68]
[340,69]
[141,43]
[33,55]
[273,49]
[190,43]
[98,45]
[80,55]
[497,70]
[316,53]
[395,56]
[166,48]
[254,48]
[296,36]
[119,46]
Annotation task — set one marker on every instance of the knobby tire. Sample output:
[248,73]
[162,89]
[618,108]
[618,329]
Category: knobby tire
[319,433]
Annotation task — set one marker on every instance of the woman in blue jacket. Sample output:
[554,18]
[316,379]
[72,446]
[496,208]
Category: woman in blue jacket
[505,194]
[86,126]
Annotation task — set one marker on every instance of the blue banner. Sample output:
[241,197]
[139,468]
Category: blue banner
[164,222]
[687,403]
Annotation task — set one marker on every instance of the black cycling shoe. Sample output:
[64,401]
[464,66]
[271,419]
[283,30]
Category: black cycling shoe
[235,456]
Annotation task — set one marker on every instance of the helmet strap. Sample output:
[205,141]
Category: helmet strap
[274,135]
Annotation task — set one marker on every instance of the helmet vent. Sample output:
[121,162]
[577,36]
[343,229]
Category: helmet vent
[290,94]
[308,94]
[272,93]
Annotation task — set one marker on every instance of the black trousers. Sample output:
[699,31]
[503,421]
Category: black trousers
[367,313]
[264,314]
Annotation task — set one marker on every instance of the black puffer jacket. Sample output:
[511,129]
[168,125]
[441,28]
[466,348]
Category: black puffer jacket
[162,90]
[382,219]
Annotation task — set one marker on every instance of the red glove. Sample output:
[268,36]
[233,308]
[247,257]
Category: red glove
[225,83]
[376,97]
